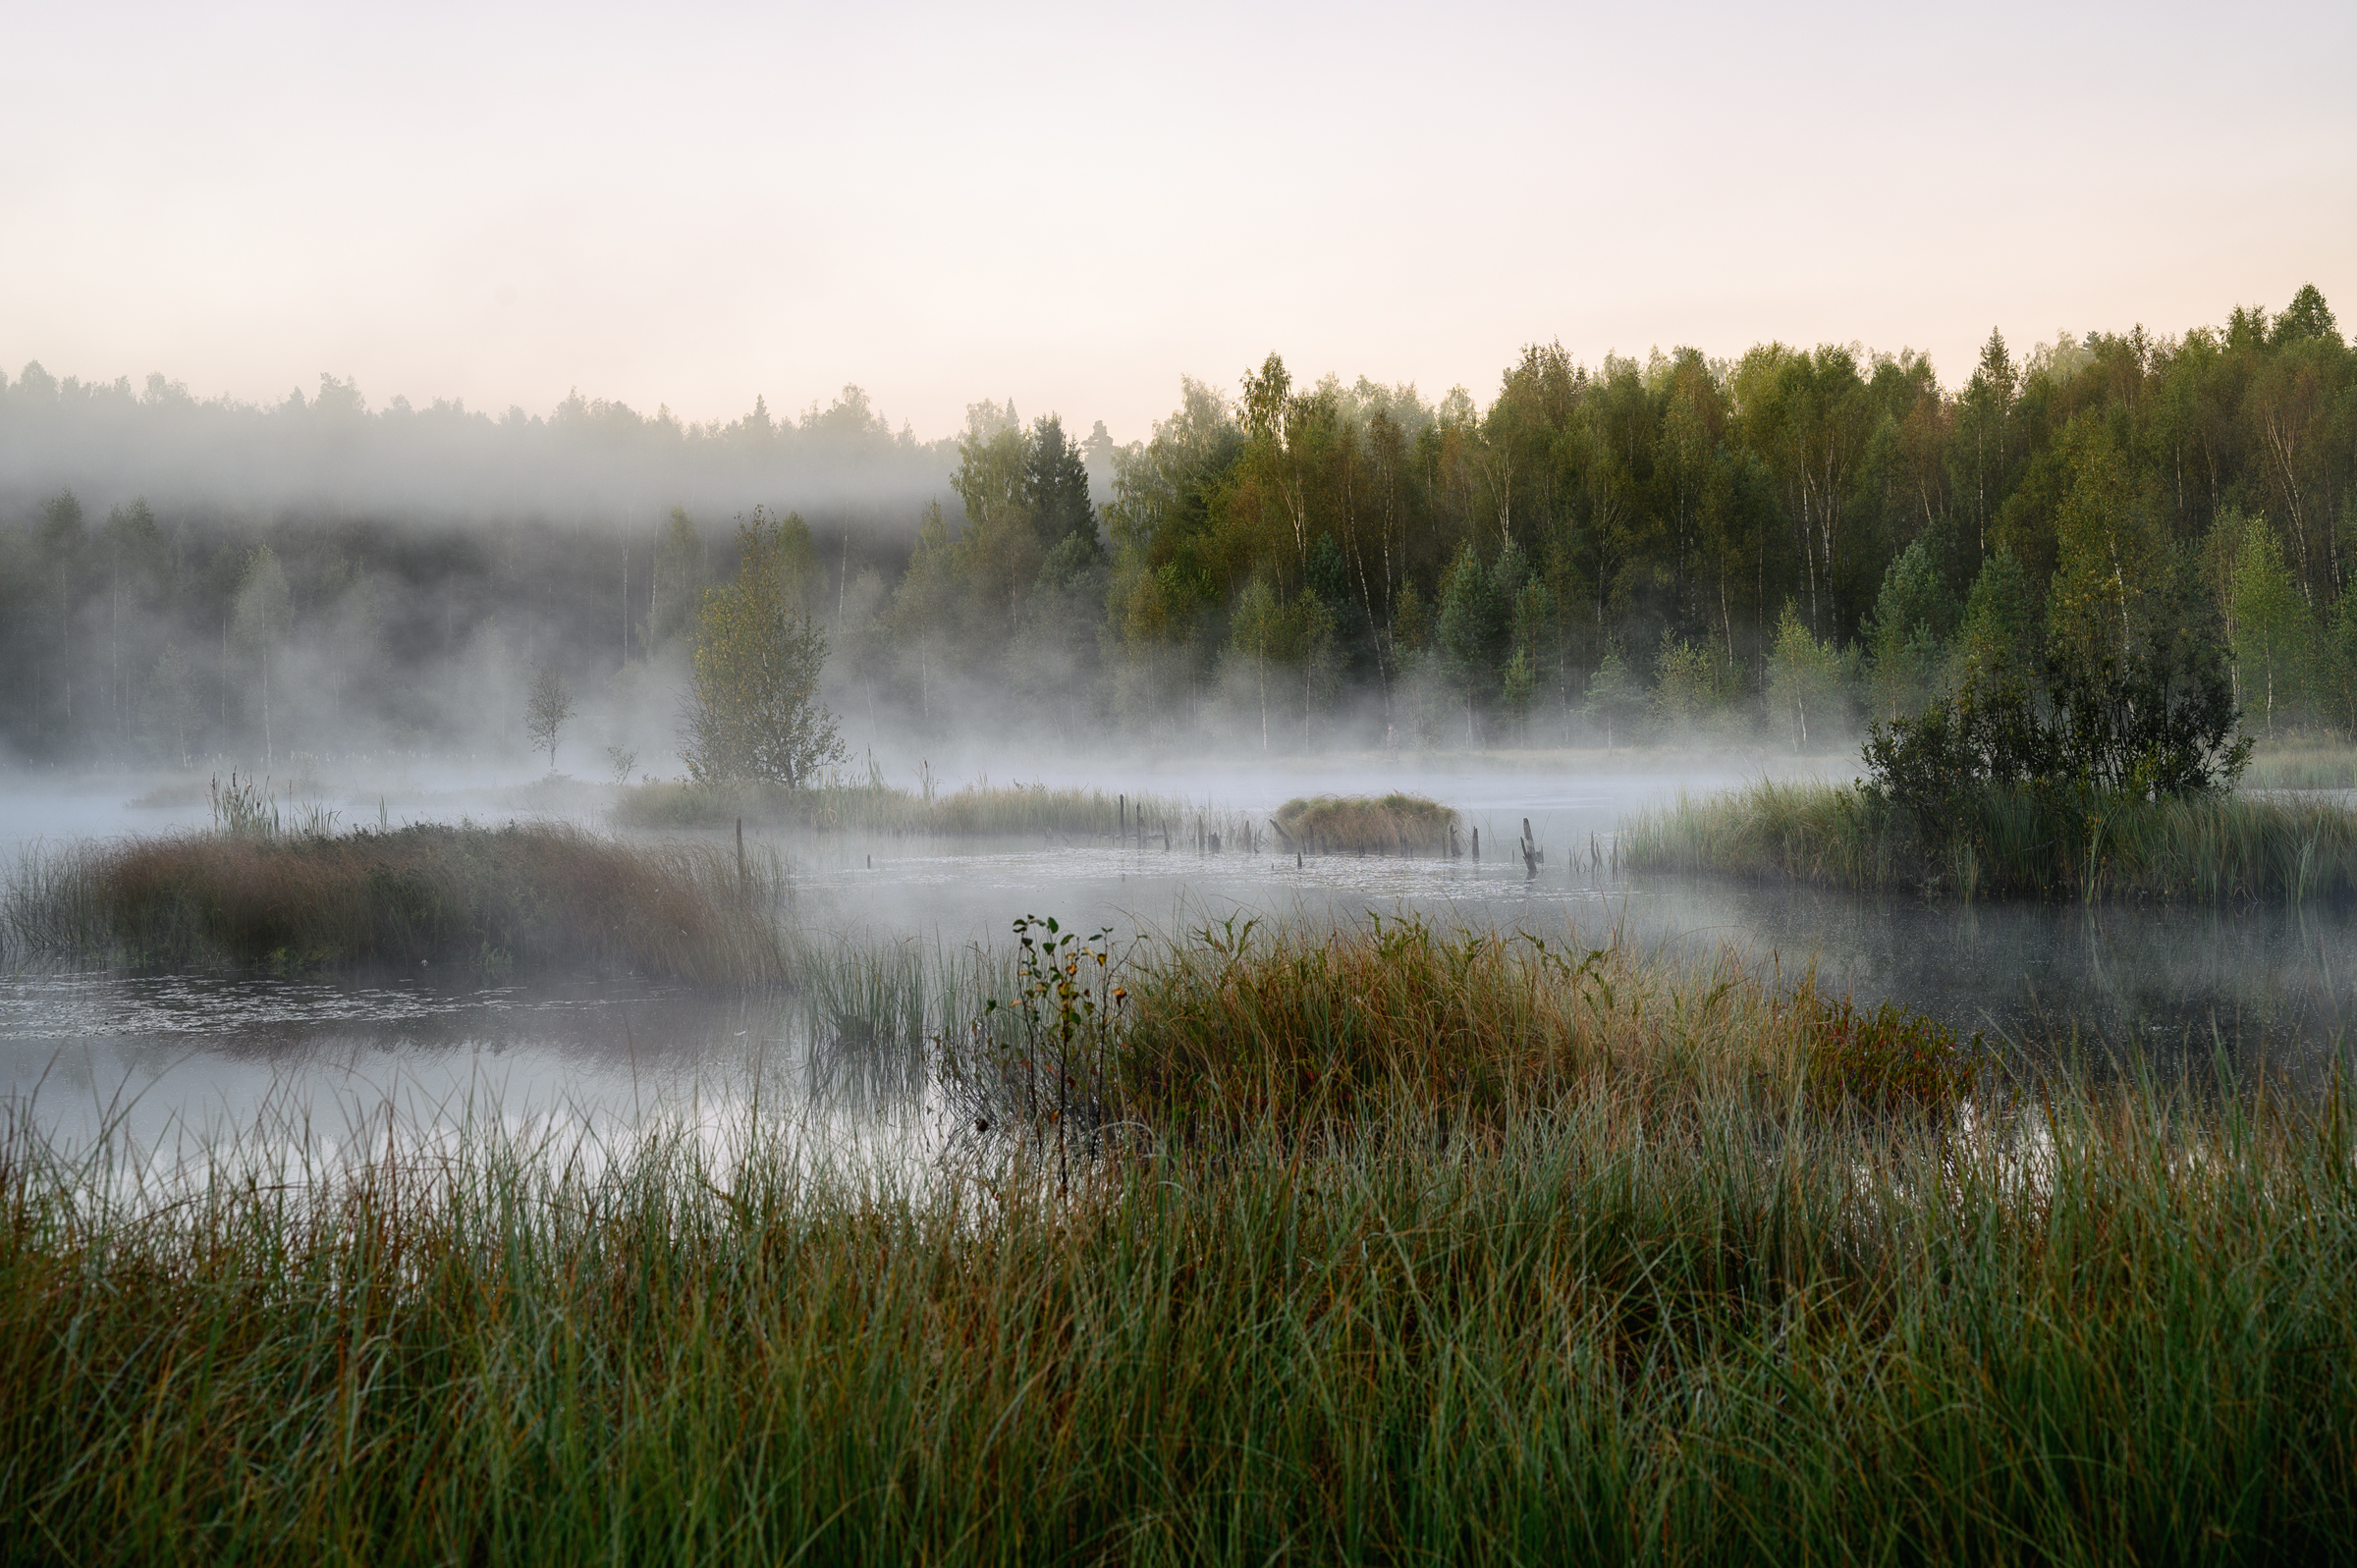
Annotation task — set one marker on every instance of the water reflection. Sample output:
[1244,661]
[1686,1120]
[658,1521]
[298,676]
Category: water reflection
[171,1065]
[2264,984]
[177,1060]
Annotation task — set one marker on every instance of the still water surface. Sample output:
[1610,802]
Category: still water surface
[176,1062]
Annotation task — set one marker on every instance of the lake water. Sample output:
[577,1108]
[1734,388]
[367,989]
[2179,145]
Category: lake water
[177,1062]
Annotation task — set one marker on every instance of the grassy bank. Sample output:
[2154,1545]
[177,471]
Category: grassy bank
[528,895]
[974,811]
[2221,849]
[1649,1315]
[1391,825]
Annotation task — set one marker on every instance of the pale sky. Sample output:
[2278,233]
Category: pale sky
[1072,206]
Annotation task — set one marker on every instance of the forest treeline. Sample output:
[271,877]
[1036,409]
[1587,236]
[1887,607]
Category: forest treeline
[586,461]
[1780,545]
[1772,549]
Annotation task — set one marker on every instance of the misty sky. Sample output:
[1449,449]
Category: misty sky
[1071,205]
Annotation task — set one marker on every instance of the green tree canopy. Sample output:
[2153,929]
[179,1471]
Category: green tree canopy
[1999,633]
[753,709]
[2271,637]
[1804,682]
[1906,637]
[1056,487]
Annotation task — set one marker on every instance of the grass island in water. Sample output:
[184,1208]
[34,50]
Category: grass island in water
[1390,825]
[533,895]
[2221,848]
[976,810]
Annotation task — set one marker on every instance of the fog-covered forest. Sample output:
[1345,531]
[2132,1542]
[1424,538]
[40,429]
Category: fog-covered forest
[1762,551]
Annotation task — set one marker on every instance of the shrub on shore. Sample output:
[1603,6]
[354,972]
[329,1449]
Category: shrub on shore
[535,896]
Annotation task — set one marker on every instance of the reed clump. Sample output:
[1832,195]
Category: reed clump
[2109,1327]
[1313,1035]
[2302,767]
[2220,848]
[523,895]
[1389,824]
[975,810]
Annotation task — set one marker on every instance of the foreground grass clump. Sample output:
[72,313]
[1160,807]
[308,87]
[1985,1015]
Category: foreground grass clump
[1307,1035]
[2113,1331]
[535,896]
[2022,843]
[1393,825]
[975,810]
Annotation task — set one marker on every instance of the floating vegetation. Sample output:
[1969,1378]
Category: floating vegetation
[535,896]
[1238,1031]
[1391,825]
[978,810]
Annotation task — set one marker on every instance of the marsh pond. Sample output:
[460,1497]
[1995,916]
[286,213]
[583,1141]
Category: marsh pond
[174,1059]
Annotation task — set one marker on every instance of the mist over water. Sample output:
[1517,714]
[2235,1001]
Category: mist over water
[175,1060]
[1307,590]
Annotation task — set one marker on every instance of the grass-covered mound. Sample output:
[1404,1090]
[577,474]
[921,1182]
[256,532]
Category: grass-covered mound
[2012,843]
[1315,1036]
[1391,825]
[975,810]
[1591,1286]
[1303,1029]
[535,896]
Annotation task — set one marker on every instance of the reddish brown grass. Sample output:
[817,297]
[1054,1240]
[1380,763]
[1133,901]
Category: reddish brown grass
[533,895]
[1394,825]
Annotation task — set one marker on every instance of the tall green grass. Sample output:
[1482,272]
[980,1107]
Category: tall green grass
[1417,1245]
[2302,767]
[1234,1032]
[2115,1328]
[2220,849]
[535,896]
